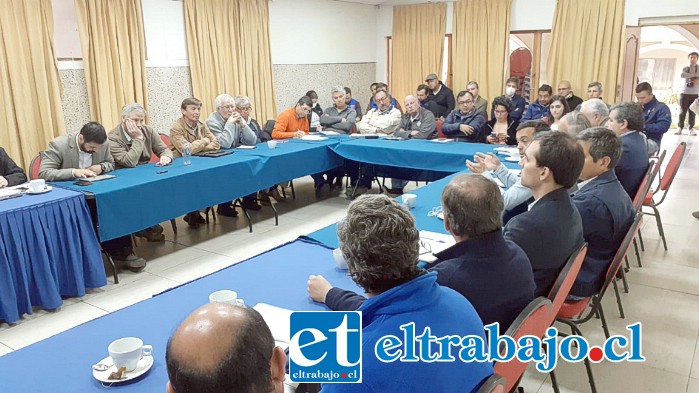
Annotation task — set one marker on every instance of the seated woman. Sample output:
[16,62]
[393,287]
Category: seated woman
[501,129]
[559,108]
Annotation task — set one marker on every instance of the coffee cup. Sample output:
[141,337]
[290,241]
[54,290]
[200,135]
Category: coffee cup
[409,200]
[340,261]
[224,296]
[272,144]
[127,351]
[37,185]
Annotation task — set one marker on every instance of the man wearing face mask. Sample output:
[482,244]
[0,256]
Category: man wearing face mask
[517,104]
[565,90]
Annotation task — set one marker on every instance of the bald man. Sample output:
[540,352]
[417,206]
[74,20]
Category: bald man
[565,90]
[223,348]
[416,123]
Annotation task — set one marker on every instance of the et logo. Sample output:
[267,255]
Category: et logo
[325,346]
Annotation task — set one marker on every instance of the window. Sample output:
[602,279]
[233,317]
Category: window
[660,73]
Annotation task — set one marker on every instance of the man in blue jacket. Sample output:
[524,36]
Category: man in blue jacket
[656,116]
[552,228]
[494,274]
[465,123]
[606,209]
[626,120]
[379,240]
[539,109]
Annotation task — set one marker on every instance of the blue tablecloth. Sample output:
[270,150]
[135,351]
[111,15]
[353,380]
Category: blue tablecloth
[63,363]
[48,249]
[412,154]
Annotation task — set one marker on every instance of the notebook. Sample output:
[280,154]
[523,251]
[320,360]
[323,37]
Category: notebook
[214,153]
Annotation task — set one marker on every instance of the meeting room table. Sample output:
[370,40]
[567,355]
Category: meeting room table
[48,250]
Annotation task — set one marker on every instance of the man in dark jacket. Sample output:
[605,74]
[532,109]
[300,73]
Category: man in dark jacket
[552,228]
[626,119]
[565,90]
[539,109]
[606,210]
[10,173]
[465,124]
[656,116]
[441,97]
[494,274]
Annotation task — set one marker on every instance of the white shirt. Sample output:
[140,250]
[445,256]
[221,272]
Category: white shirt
[582,184]
[84,159]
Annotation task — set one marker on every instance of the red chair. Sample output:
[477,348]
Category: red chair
[34,167]
[665,182]
[643,188]
[494,384]
[565,280]
[532,321]
[440,134]
[577,312]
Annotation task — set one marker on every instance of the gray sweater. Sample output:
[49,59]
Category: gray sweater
[424,123]
[230,135]
[331,120]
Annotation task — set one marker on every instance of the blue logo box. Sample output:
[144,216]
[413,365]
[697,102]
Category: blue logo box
[326,346]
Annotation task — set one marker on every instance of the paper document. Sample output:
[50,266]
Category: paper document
[330,133]
[98,178]
[314,138]
[278,319]
[432,243]
[246,147]
[8,192]
[442,140]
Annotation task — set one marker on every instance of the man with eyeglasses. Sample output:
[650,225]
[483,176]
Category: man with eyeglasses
[244,107]
[293,122]
[465,123]
[232,131]
[384,119]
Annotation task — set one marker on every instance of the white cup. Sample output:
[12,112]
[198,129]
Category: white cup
[339,259]
[409,200]
[37,185]
[272,144]
[127,351]
[224,296]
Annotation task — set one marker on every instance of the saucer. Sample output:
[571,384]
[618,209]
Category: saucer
[512,159]
[45,190]
[144,365]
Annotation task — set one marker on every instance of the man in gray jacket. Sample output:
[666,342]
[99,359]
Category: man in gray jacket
[231,130]
[416,123]
[84,155]
[339,117]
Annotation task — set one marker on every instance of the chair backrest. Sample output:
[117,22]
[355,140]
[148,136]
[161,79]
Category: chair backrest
[532,321]
[166,139]
[645,185]
[620,254]
[494,384]
[566,279]
[673,166]
[440,134]
[34,167]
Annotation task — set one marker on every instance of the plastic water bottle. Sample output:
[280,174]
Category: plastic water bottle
[187,153]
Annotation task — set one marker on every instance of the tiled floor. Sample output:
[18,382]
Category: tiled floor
[664,294]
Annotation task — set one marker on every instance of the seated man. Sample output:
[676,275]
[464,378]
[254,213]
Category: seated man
[243,106]
[626,120]
[423,95]
[540,109]
[416,123]
[605,208]
[573,123]
[656,116]
[517,103]
[188,129]
[10,173]
[479,102]
[224,348]
[552,228]
[394,102]
[566,90]
[340,118]
[384,119]
[83,155]
[231,130]
[380,243]
[594,90]
[596,111]
[352,103]
[515,193]
[465,123]
[133,143]
[494,274]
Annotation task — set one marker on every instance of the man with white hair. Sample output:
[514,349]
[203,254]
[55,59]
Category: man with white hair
[416,123]
[133,143]
[596,111]
[231,130]
[243,105]
[339,118]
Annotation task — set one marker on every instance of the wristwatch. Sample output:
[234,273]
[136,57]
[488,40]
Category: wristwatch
[103,167]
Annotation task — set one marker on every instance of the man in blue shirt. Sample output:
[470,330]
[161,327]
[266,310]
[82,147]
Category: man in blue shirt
[605,208]
[656,116]
[380,243]
[539,109]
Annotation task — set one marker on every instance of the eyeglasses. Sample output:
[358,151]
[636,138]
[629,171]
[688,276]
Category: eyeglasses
[244,109]
[465,102]
[227,106]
